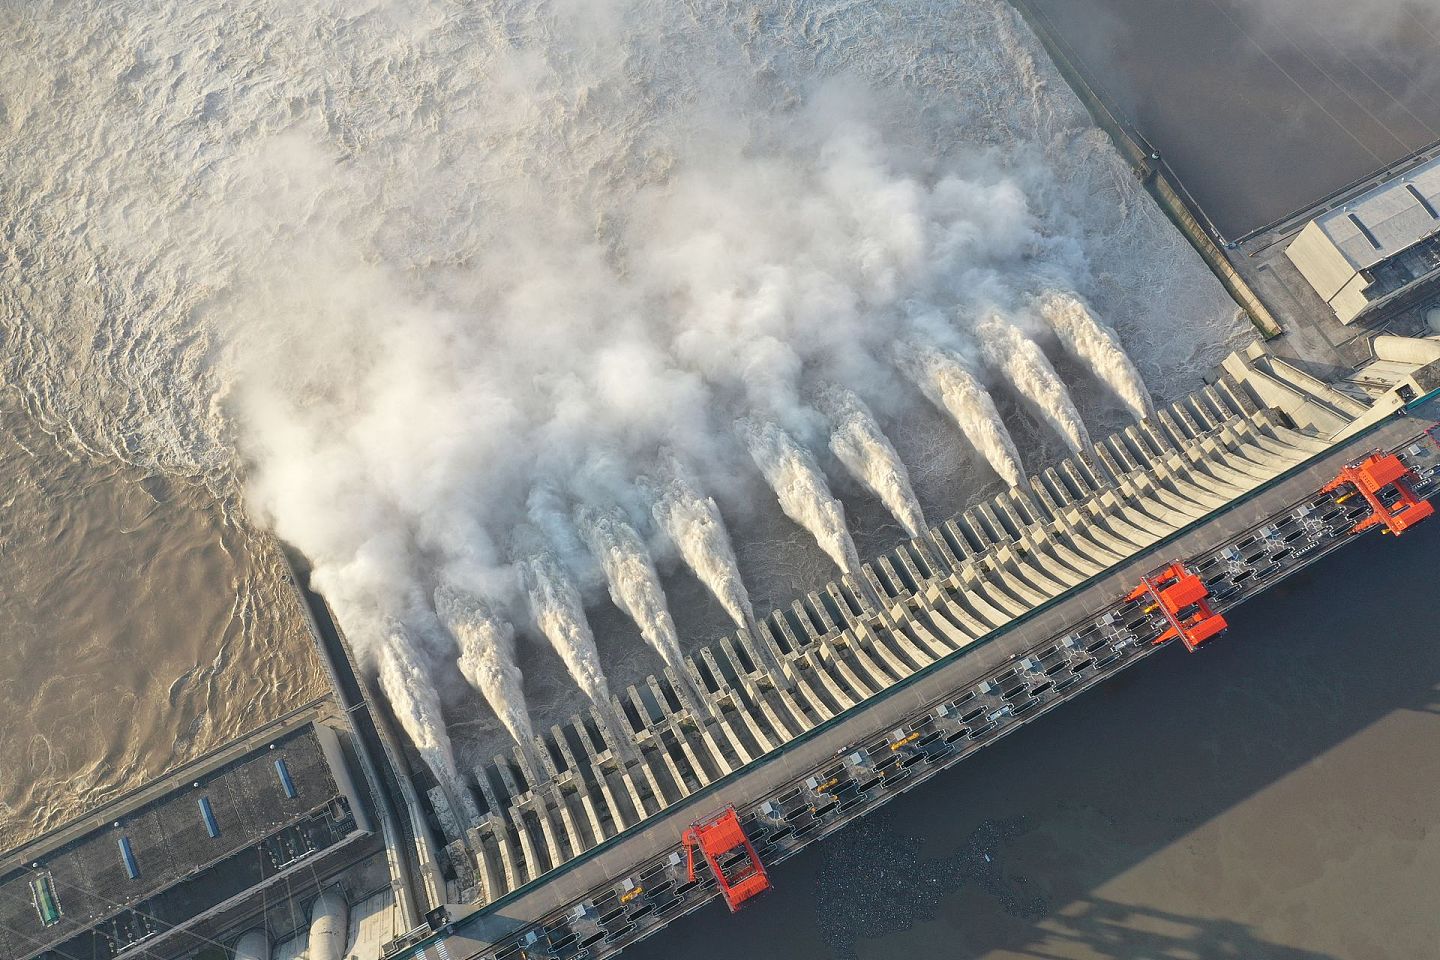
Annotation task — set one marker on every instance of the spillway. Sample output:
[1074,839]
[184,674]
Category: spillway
[962,635]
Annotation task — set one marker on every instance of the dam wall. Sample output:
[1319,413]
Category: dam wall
[836,648]
[949,642]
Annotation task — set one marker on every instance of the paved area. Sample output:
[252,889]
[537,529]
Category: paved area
[1314,337]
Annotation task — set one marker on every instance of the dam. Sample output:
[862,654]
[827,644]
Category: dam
[616,824]
[587,842]
[334,832]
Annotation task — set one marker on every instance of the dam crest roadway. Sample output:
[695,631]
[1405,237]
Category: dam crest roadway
[951,641]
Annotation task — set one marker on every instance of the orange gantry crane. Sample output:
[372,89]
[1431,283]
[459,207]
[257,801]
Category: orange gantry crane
[1370,477]
[724,846]
[1182,598]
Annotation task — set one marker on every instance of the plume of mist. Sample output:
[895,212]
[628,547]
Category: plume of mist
[693,523]
[800,486]
[1097,346]
[559,612]
[415,703]
[947,383]
[550,515]
[1020,360]
[862,447]
[633,580]
[487,656]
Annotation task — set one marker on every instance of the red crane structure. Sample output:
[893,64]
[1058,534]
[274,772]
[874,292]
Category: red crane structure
[1182,598]
[723,844]
[1370,477]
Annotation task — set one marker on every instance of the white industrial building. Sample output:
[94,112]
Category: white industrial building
[1382,247]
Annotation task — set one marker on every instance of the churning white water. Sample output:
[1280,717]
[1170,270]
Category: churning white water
[1019,358]
[800,487]
[559,613]
[947,383]
[487,655]
[406,682]
[862,447]
[382,264]
[693,523]
[1098,347]
[633,580]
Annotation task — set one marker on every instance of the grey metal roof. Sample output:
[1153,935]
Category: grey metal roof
[169,840]
[1388,219]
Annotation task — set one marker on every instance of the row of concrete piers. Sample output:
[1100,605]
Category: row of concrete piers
[830,651]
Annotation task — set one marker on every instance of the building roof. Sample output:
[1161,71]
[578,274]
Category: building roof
[168,840]
[1387,219]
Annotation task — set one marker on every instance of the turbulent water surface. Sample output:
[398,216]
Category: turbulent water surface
[141,627]
[386,268]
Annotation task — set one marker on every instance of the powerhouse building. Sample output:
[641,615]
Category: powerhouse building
[137,877]
[1379,249]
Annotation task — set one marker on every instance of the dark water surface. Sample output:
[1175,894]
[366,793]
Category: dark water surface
[1264,106]
[1271,798]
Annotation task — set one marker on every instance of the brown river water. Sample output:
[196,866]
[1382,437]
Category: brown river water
[141,627]
[1273,800]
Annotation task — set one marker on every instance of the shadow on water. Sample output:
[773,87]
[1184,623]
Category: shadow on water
[1018,851]
[1102,928]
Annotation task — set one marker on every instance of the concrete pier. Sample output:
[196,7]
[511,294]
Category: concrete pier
[954,639]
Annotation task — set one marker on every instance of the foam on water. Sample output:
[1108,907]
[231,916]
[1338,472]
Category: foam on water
[400,258]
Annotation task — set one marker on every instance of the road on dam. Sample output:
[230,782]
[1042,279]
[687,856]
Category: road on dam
[1222,804]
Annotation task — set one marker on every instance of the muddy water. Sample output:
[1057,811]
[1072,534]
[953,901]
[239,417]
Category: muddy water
[140,628]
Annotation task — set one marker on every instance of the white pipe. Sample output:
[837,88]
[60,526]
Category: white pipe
[329,926]
[253,945]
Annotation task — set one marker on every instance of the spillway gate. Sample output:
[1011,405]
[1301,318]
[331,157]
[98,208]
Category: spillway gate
[944,709]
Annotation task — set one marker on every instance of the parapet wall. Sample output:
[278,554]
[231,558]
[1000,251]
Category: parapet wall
[927,600]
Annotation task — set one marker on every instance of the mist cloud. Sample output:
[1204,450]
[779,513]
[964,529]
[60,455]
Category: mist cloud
[468,288]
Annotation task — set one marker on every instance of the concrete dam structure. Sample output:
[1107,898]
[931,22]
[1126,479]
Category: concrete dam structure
[691,786]
[596,835]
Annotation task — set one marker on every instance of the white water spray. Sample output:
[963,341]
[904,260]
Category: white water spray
[1096,345]
[634,584]
[559,612]
[416,705]
[1016,356]
[800,486]
[693,523]
[858,442]
[946,382]
[487,656]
